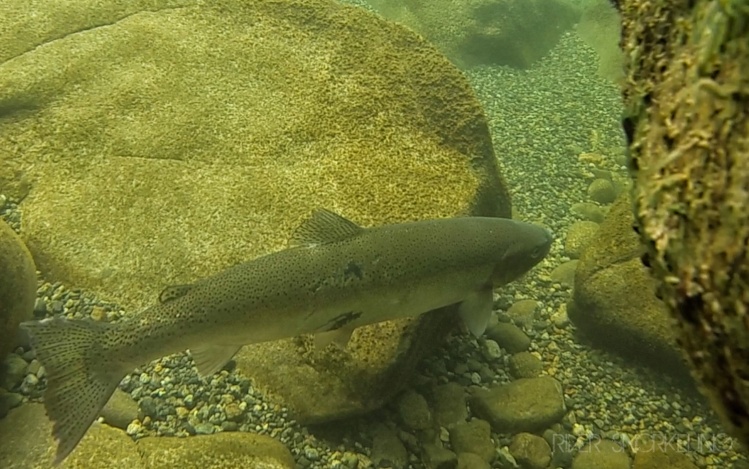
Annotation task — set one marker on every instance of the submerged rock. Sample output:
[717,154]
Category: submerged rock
[449,404]
[473,437]
[17,288]
[227,450]
[579,236]
[614,303]
[530,451]
[27,443]
[524,405]
[175,142]
[602,453]
[120,410]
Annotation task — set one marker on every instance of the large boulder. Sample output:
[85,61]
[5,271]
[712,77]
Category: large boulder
[515,33]
[27,443]
[687,98]
[614,302]
[17,287]
[162,144]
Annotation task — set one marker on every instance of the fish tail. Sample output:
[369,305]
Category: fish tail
[81,376]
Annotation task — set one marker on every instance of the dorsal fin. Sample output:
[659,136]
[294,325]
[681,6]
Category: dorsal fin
[173,292]
[324,227]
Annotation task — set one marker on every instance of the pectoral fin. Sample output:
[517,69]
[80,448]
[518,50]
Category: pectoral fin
[339,337]
[476,310]
[209,359]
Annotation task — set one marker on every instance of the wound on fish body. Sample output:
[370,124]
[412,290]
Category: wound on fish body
[336,276]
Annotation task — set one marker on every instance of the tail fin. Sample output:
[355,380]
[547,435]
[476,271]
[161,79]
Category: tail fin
[78,381]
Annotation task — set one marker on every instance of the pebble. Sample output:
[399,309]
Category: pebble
[491,350]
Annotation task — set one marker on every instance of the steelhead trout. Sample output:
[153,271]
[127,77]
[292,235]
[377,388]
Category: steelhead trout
[336,276]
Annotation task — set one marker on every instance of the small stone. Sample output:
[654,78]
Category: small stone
[120,410]
[14,371]
[229,426]
[8,401]
[602,453]
[530,451]
[505,406]
[233,411]
[437,457]
[473,437]
[33,368]
[491,350]
[57,307]
[560,319]
[449,404]
[311,453]
[98,313]
[182,412]
[148,407]
[509,337]
[351,460]
[472,461]
[602,191]
[523,312]
[565,273]
[40,308]
[386,446]
[204,428]
[525,365]
[579,236]
[505,459]
[28,384]
[414,410]
[134,428]
[588,211]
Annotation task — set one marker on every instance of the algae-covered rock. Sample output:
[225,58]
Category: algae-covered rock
[164,144]
[615,305]
[516,33]
[27,443]
[579,236]
[524,405]
[17,287]
[227,450]
[687,95]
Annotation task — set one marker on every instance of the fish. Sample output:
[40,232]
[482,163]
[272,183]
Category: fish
[333,277]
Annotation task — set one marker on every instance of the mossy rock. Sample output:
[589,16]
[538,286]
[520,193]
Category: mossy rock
[615,305]
[17,287]
[163,143]
[687,96]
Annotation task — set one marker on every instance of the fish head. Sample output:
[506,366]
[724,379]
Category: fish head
[525,245]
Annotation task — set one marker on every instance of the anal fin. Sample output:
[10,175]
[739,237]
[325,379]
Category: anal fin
[476,310]
[340,337]
[209,359]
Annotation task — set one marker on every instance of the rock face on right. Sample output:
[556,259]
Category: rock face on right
[687,122]
[614,301]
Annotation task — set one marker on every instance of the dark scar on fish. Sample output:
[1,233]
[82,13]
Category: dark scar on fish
[353,270]
[341,320]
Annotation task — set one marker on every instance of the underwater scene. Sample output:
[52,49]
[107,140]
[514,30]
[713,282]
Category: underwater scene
[367,234]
